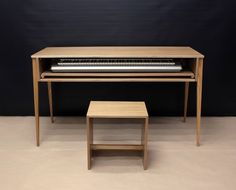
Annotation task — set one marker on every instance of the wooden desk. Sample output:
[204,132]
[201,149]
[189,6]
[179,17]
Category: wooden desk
[193,73]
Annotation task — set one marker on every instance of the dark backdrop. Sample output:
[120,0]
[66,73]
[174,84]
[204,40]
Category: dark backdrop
[30,25]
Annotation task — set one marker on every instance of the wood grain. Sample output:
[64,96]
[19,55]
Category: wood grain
[199,100]
[115,51]
[117,109]
[145,144]
[117,147]
[41,74]
[177,74]
[35,66]
[186,92]
[49,84]
[113,79]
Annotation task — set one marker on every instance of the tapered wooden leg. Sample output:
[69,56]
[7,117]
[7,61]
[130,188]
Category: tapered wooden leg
[36,112]
[199,100]
[36,99]
[50,100]
[186,92]
[145,141]
[89,151]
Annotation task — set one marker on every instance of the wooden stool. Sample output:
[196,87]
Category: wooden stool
[115,109]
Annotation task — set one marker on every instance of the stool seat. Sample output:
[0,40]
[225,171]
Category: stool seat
[117,109]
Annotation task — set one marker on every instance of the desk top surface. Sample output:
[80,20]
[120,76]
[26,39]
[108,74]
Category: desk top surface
[119,51]
[117,109]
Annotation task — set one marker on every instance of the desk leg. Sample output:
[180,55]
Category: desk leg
[186,92]
[199,100]
[36,111]
[36,99]
[50,100]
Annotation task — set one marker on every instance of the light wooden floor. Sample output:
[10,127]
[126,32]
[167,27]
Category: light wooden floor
[60,162]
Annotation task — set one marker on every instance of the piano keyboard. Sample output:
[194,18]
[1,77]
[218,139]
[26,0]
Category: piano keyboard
[116,65]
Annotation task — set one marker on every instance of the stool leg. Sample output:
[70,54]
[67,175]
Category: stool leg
[142,134]
[91,131]
[89,142]
[145,141]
